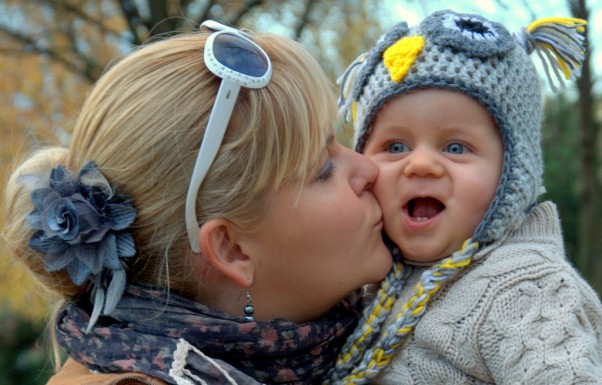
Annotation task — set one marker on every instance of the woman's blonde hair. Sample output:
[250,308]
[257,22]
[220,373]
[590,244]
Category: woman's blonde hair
[142,125]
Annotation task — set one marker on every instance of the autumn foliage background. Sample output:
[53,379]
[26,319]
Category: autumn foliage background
[52,51]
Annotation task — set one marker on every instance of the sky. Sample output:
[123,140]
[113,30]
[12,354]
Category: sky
[513,14]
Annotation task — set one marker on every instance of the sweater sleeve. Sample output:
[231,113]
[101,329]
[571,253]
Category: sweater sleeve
[544,327]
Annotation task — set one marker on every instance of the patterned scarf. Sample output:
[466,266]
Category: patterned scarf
[184,343]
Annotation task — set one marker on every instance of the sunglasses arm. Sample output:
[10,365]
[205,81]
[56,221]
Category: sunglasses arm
[216,128]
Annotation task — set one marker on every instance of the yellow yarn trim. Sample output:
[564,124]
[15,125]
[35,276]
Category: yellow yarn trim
[379,357]
[568,21]
[385,303]
[399,57]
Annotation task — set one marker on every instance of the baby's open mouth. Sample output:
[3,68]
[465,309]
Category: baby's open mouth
[423,209]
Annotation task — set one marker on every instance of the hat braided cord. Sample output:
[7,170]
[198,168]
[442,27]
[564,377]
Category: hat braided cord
[375,359]
[370,325]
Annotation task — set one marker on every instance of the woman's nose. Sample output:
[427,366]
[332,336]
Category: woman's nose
[364,173]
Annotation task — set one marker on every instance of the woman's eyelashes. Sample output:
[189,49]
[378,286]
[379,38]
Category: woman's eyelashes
[326,171]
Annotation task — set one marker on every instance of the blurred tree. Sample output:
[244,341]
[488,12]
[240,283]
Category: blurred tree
[561,158]
[23,360]
[53,50]
[84,35]
[589,208]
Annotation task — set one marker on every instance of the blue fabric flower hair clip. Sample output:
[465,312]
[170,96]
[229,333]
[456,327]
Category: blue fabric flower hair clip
[83,228]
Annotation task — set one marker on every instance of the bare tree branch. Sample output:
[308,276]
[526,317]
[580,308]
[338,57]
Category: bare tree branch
[205,14]
[91,66]
[13,51]
[159,22]
[183,10]
[32,47]
[132,18]
[82,15]
[246,8]
[304,20]
[235,18]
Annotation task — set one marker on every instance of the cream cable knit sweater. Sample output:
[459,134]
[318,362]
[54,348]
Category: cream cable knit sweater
[519,315]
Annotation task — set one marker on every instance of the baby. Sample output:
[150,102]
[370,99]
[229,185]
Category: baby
[450,111]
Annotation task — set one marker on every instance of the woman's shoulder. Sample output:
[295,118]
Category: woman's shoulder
[73,373]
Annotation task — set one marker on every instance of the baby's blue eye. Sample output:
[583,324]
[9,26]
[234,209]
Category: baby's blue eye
[456,148]
[397,147]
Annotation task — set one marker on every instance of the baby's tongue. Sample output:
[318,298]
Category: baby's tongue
[425,207]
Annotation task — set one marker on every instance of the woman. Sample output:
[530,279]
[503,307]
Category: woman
[238,259]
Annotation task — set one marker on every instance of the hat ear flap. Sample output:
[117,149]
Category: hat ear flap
[559,44]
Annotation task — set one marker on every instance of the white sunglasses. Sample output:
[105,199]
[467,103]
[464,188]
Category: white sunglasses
[239,62]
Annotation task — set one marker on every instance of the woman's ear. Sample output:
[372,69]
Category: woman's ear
[222,252]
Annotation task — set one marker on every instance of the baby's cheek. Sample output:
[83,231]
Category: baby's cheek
[382,187]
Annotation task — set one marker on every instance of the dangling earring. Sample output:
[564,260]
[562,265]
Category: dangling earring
[249,309]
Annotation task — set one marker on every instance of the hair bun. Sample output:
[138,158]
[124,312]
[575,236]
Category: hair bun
[18,205]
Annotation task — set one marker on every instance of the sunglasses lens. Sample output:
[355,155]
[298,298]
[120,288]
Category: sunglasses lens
[239,55]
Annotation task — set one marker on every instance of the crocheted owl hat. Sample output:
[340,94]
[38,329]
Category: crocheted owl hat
[478,57]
